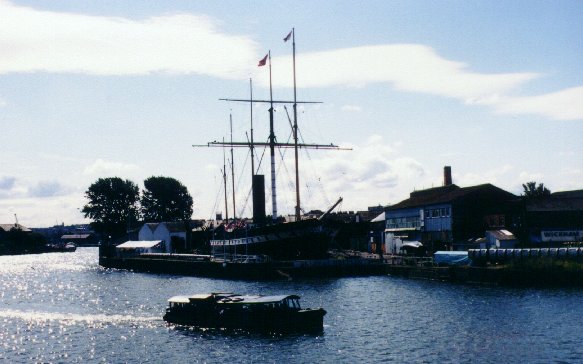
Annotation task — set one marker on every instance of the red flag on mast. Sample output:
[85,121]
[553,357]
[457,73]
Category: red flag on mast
[287,37]
[263,61]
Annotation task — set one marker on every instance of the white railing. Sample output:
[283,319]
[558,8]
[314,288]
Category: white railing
[229,242]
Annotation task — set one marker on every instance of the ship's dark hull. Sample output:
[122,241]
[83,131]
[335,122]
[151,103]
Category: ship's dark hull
[286,241]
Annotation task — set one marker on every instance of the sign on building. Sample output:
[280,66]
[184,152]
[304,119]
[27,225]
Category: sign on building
[562,235]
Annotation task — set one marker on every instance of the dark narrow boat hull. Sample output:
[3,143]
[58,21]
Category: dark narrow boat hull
[274,321]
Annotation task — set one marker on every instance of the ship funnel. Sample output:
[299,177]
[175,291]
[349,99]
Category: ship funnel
[258,199]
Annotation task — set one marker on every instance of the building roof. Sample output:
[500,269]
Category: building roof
[380,217]
[152,226]
[558,201]
[175,227]
[568,194]
[445,194]
[501,234]
[8,227]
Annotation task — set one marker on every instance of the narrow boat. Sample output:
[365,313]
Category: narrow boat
[248,312]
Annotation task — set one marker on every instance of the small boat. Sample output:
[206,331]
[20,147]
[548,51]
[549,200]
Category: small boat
[60,247]
[233,311]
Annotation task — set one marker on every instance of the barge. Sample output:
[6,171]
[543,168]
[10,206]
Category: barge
[248,312]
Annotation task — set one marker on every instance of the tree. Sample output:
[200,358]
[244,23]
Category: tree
[113,204]
[164,199]
[532,191]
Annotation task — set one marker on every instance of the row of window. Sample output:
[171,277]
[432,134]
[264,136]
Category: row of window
[401,220]
[415,221]
[436,213]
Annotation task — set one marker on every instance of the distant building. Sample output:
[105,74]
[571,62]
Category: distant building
[80,239]
[173,234]
[54,234]
[554,220]
[448,217]
[4,228]
[502,239]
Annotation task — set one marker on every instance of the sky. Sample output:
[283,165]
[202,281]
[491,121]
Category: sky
[97,89]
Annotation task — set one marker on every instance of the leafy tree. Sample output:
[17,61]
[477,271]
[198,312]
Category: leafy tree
[113,203]
[532,190]
[165,199]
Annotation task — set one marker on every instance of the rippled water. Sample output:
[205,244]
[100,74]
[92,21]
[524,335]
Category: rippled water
[63,307]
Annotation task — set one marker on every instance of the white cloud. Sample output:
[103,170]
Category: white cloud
[569,179]
[35,212]
[33,40]
[409,67]
[488,176]
[10,188]
[561,105]
[530,176]
[7,182]
[101,167]
[49,189]
[353,108]
[418,68]
[369,175]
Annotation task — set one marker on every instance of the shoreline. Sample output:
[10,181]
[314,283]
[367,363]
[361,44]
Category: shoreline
[508,275]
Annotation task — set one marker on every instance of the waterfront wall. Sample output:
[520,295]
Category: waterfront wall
[518,276]
[247,271]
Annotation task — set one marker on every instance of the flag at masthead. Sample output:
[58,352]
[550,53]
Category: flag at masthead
[263,61]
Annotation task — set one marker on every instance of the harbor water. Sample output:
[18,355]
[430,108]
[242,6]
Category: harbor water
[65,308]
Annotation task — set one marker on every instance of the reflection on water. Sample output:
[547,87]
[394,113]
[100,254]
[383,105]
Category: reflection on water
[63,307]
[39,318]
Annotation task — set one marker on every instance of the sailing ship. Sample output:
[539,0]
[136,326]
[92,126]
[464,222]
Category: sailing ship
[276,240]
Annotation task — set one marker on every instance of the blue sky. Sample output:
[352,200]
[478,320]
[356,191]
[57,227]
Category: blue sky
[92,89]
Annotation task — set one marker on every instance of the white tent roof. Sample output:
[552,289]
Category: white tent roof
[139,244]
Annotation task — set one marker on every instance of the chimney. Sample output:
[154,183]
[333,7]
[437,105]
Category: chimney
[447,176]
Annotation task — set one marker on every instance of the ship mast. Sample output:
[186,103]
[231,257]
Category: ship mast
[298,216]
[232,168]
[225,182]
[272,147]
[251,146]
[272,143]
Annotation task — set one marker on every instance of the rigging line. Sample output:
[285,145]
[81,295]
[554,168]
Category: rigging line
[246,202]
[318,179]
[242,172]
[261,159]
[309,156]
[283,166]
[213,212]
[238,188]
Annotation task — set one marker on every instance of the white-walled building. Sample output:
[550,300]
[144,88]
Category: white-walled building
[147,231]
[167,232]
